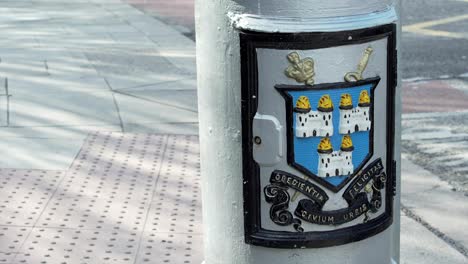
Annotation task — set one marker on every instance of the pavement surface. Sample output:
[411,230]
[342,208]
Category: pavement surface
[127,198]
[89,87]
[70,68]
[179,13]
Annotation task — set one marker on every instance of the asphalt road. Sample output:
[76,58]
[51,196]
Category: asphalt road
[437,54]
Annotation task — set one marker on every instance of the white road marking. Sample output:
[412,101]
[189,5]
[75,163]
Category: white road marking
[423,27]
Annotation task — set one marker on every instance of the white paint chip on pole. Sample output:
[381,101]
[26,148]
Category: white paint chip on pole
[299,126]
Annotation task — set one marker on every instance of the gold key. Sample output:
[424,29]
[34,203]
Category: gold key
[357,75]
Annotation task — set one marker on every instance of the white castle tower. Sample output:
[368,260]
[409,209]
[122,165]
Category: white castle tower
[335,163]
[311,123]
[355,119]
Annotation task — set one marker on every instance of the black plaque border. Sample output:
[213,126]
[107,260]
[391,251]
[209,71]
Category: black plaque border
[249,42]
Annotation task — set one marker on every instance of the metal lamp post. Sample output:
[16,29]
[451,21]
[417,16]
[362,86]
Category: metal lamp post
[299,130]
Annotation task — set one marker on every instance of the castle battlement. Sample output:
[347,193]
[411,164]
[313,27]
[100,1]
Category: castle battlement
[310,123]
[335,163]
[319,123]
[355,119]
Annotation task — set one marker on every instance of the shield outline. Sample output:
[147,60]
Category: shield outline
[284,89]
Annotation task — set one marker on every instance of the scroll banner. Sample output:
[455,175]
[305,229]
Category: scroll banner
[358,201]
[305,187]
[310,210]
[370,172]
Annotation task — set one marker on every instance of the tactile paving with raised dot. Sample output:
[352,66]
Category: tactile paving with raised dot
[110,184]
[176,205]
[173,229]
[174,248]
[24,194]
[52,245]
[127,198]
[11,239]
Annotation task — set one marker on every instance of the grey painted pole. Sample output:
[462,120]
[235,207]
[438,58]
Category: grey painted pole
[226,131]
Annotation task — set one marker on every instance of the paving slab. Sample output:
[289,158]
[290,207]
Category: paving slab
[135,110]
[70,133]
[36,54]
[4,105]
[435,202]
[58,84]
[135,38]
[18,41]
[75,41]
[76,70]
[134,68]
[147,26]
[178,50]
[182,84]
[181,99]
[104,29]
[11,239]
[25,194]
[439,143]
[173,231]
[128,198]
[129,61]
[72,108]
[49,245]
[418,245]
[39,153]
[63,59]
[189,128]
[161,248]
[19,68]
[109,185]
[180,12]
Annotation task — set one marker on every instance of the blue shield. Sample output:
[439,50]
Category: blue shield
[330,129]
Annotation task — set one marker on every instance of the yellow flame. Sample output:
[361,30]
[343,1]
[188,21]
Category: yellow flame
[325,102]
[364,97]
[325,144]
[346,100]
[346,142]
[303,102]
